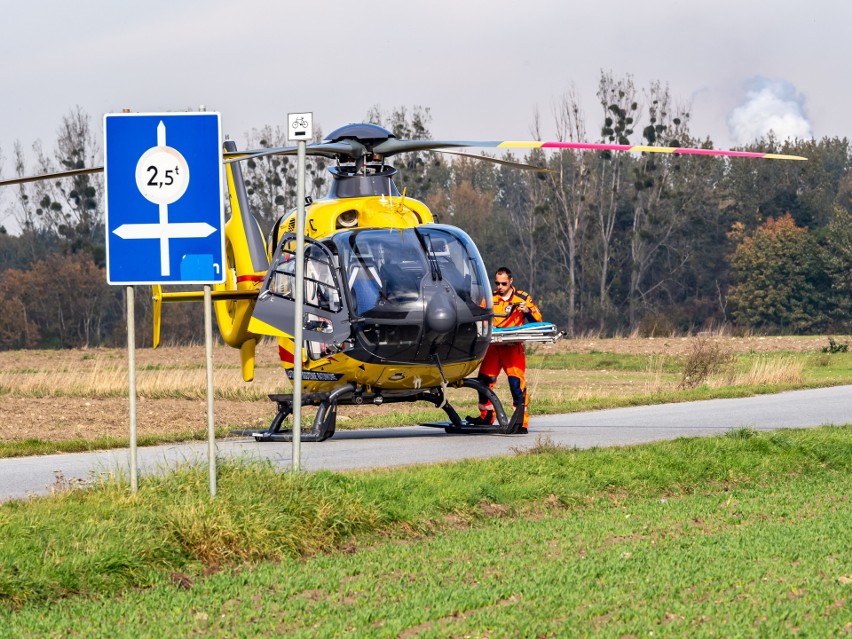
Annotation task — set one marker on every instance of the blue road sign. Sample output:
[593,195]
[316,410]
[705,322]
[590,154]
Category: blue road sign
[164,208]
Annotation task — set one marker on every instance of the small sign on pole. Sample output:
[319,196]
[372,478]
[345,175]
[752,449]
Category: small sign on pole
[300,126]
[300,129]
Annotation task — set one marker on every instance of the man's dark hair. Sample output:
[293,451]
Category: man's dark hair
[505,271]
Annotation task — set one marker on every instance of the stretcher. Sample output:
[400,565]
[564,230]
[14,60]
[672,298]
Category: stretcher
[532,332]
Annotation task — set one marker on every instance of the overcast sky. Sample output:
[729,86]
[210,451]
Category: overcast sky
[482,66]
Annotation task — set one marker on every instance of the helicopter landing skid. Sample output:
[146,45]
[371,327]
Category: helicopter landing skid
[505,425]
[513,427]
[324,421]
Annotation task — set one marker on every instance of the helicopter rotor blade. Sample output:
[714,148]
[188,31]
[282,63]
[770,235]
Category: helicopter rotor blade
[51,176]
[351,148]
[647,149]
[394,146]
[514,165]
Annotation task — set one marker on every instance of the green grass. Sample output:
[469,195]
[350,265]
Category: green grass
[738,535]
[836,364]
[557,576]
[600,361]
[27,447]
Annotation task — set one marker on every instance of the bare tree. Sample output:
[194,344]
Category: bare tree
[524,196]
[618,100]
[79,218]
[571,182]
[654,220]
[70,208]
[271,180]
[32,208]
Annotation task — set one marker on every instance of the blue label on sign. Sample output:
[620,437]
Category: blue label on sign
[198,267]
[164,208]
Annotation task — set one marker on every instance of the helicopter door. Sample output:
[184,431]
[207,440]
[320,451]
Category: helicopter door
[326,315]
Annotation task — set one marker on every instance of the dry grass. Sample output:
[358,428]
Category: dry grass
[655,382]
[681,345]
[82,394]
[101,374]
[782,369]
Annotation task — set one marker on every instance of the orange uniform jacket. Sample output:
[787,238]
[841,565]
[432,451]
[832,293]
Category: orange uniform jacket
[507,313]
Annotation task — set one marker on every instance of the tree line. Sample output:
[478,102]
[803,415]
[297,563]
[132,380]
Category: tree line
[606,242]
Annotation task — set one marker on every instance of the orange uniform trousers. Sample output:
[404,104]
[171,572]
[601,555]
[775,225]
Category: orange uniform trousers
[512,359]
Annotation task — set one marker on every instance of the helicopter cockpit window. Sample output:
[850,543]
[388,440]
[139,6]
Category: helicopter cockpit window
[457,262]
[364,283]
[321,290]
[325,316]
[402,284]
[383,269]
[401,272]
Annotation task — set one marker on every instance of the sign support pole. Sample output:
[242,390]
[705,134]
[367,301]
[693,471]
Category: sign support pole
[131,370]
[300,305]
[211,427]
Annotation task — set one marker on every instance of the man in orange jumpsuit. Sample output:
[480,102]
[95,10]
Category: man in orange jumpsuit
[512,307]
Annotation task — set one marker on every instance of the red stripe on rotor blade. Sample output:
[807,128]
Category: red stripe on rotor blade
[586,145]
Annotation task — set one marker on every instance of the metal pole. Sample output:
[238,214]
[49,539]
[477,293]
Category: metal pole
[131,372]
[211,428]
[300,304]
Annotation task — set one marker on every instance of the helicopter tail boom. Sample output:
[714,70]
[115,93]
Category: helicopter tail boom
[247,263]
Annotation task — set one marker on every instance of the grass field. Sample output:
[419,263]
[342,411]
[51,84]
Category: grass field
[55,401]
[739,535]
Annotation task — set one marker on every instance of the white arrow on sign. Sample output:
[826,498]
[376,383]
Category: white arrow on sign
[166,231]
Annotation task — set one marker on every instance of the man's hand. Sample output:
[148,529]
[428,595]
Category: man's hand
[522,307]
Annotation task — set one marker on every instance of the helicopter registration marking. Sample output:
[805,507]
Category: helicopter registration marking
[313,376]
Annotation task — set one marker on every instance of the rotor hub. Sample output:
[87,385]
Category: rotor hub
[366,134]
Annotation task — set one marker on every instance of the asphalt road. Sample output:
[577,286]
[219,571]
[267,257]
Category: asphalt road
[26,476]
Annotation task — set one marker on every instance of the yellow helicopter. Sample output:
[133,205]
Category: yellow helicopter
[397,308]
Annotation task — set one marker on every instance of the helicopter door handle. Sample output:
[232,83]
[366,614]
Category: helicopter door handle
[313,228]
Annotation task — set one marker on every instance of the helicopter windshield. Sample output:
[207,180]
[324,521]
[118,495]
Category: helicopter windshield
[383,269]
[455,260]
[415,293]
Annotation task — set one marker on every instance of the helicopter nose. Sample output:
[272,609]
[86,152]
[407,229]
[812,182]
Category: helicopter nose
[441,315]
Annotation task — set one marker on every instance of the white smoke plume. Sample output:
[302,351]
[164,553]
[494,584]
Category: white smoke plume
[770,105]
